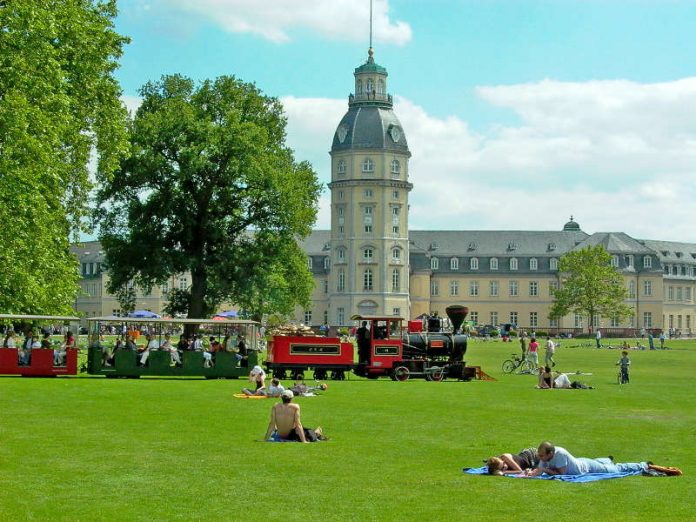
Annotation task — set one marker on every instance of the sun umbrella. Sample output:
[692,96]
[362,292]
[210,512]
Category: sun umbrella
[144,314]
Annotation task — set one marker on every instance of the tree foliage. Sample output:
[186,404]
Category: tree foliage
[59,103]
[590,286]
[212,190]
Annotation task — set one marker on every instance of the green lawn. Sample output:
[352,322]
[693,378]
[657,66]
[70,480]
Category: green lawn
[89,448]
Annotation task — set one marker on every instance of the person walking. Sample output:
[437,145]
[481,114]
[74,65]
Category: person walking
[550,351]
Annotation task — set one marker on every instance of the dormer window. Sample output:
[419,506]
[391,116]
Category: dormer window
[494,263]
[434,263]
[454,263]
[553,263]
[327,263]
[309,263]
[368,165]
[647,262]
[533,264]
[474,263]
[615,261]
[513,263]
[629,260]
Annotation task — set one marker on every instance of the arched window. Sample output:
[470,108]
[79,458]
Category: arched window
[395,167]
[359,87]
[434,263]
[494,263]
[341,281]
[396,280]
[396,255]
[553,264]
[367,280]
[533,264]
[454,263]
[341,167]
[380,86]
[370,86]
[368,165]
[473,263]
[513,263]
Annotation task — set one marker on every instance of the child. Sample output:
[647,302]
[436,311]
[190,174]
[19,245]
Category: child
[624,362]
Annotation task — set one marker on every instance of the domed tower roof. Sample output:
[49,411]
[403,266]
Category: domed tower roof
[571,225]
[370,122]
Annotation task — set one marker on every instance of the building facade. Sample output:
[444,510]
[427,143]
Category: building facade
[370,263]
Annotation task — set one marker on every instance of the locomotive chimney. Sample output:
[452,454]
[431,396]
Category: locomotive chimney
[456,314]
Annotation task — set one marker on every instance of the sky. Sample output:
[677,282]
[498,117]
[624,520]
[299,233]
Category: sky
[518,113]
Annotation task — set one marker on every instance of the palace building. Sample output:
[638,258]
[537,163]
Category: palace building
[370,263]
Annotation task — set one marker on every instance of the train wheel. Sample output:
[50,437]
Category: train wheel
[279,374]
[319,375]
[437,374]
[338,375]
[401,373]
[508,366]
[298,376]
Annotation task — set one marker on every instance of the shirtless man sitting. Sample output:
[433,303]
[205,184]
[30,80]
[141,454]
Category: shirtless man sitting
[285,423]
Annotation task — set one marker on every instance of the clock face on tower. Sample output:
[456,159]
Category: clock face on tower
[395,133]
[342,132]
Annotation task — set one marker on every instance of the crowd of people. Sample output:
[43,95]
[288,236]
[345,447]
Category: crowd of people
[35,340]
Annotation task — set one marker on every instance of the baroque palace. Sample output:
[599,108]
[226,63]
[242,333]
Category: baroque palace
[370,263]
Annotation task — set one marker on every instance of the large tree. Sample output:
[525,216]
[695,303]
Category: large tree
[590,286]
[59,104]
[210,189]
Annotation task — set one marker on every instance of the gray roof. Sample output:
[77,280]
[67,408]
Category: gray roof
[368,128]
[616,243]
[475,243]
[672,251]
[314,244]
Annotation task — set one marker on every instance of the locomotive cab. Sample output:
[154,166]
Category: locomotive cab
[380,347]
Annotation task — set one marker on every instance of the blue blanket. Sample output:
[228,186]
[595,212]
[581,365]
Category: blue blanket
[587,477]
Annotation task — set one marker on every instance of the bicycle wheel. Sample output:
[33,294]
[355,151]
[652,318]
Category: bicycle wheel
[509,366]
[525,367]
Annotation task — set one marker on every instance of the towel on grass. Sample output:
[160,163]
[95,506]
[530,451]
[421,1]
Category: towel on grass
[587,477]
[243,396]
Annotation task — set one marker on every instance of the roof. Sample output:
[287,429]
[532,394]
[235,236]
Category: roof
[140,320]
[616,243]
[482,243]
[367,127]
[16,317]
[672,251]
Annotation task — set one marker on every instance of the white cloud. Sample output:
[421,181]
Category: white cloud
[275,20]
[618,155]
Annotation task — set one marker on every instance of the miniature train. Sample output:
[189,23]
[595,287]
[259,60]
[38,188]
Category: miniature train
[384,350]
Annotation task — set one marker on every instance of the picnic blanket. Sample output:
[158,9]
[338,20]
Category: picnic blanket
[587,477]
[244,396]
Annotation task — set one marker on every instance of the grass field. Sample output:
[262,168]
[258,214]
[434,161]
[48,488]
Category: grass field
[89,448]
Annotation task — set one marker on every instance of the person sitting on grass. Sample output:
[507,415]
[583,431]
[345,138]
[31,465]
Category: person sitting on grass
[285,424]
[555,460]
[547,382]
[509,464]
[274,390]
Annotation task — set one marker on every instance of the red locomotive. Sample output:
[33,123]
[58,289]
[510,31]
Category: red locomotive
[384,350]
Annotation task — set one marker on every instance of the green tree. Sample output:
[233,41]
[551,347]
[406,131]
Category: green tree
[210,189]
[590,286]
[59,104]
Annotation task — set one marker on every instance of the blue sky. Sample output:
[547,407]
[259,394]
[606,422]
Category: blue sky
[533,109]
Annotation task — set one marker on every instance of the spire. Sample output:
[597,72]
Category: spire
[370,26]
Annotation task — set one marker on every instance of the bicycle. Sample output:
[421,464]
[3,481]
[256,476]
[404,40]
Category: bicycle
[521,364]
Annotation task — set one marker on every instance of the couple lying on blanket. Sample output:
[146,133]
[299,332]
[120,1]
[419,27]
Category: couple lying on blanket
[555,460]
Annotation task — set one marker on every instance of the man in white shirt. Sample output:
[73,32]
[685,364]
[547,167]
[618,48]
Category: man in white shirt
[153,345]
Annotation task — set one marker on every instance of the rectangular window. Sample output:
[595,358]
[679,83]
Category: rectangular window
[493,286]
[396,312]
[183,284]
[614,322]
[533,288]
[553,323]
[687,294]
[473,288]
[454,288]
[513,318]
[553,286]
[647,262]
[395,229]
[326,286]
[340,316]
[533,319]
[341,284]
[647,319]
[395,194]
[578,321]
[679,294]
[647,288]
[165,288]
[368,193]
[513,289]
[670,293]
[494,318]
[308,317]
[434,288]
[396,280]
[473,317]
[632,289]
[368,229]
